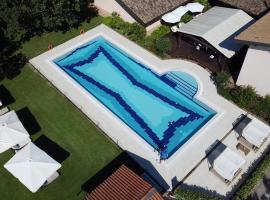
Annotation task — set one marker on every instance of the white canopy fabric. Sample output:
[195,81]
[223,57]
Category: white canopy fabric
[256,133]
[12,132]
[32,166]
[195,7]
[228,163]
[175,16]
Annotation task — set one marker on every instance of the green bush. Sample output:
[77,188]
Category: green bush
[245,97]
[263,108]
[163,45]
[186,18]
[137,33]
[206,4]
[182,194]
[134,31]
[222,81]
[150,42]
[244,192]
[160,32]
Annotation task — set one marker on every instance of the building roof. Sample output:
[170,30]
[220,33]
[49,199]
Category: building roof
[149,11]
[252,7]
[218,26]
[258,33]
[124,184]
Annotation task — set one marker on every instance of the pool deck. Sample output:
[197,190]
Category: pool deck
[169,172]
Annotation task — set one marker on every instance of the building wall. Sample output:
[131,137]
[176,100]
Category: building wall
[106,7]
[256,69]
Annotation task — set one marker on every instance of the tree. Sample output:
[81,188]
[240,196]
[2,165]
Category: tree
[22,19]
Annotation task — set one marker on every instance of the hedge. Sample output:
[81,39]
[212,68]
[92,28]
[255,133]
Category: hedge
[246,189]
[155,42]
[184,194]
[247,98]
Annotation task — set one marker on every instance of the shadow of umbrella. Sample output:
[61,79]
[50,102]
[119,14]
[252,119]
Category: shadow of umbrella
[28,120]
[52,149]
[5,96]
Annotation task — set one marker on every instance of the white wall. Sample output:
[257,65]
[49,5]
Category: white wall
[256,69]
[107,7]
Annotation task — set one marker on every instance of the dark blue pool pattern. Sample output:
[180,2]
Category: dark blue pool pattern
[158,108]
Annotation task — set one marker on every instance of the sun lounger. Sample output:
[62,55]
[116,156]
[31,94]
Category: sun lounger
[227,164]
[255,132]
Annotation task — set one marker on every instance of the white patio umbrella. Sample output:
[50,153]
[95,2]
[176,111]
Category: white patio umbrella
[195,7]
[32,166]
[175,16]
[12,132]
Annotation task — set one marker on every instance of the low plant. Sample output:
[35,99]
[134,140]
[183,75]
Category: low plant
[246,189]
[206,4]
[183,194]
[186,18]
[155,42]
[134,31]
[163,45]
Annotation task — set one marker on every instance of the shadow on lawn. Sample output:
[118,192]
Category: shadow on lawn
[28,120]
[52,149]
[5,96]
[104,173]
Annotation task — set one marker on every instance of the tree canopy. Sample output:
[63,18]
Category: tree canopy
[22,19]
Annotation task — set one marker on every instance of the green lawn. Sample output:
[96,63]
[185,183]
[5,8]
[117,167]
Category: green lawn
[61,122]
[39,44]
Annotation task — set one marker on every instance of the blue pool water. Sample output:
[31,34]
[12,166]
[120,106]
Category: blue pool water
[160,109]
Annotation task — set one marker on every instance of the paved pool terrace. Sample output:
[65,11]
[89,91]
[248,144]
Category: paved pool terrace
[172,170]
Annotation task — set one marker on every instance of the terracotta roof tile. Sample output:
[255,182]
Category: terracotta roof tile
[124,184]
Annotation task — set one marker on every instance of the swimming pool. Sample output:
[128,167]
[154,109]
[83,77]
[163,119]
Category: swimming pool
[160,109]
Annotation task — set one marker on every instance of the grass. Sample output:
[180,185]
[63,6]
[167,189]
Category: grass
[61,122]
[38,44]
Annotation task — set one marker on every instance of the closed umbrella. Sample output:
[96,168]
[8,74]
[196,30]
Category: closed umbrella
[12,132]
[195,7]
[32,166]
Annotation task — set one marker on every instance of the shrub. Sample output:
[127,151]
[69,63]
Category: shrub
[206,4]
[156,42]
[245,97]
[245,191]
[160,32]
[222,81]
[150,41]
[186,18]
[182,194]
[263,108]
[133,31]
[163,45]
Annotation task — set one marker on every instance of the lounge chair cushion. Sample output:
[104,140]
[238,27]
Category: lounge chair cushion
[256,133]
[228,163]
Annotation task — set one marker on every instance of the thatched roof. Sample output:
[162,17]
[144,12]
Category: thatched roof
[148,11]
[258,33]
[253,7]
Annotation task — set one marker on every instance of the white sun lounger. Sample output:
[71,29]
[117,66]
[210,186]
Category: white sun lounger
[228,164]
[256,133]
